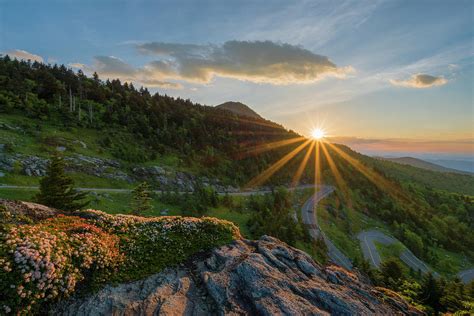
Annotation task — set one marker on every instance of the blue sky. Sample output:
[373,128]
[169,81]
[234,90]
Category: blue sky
[401,71]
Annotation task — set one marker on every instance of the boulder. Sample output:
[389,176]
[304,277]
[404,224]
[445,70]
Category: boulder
[31,210]
[262,277]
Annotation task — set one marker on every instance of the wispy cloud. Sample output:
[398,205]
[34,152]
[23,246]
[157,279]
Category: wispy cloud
[115,68]
[420,81]
[23,55]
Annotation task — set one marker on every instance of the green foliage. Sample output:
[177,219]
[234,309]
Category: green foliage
[66,254]
[141,199]
[452,182]
[195,203]
[272,214]
[391,271]
[57,189]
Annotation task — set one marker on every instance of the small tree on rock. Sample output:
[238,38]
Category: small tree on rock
[141,199]
[57,189]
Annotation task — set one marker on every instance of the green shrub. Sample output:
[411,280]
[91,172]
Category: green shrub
[50,260]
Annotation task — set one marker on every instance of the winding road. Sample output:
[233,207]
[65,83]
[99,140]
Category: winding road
[367,243]
[308,214]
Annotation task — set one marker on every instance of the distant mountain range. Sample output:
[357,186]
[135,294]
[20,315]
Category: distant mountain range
[419,163]
[463,165]
[239,109]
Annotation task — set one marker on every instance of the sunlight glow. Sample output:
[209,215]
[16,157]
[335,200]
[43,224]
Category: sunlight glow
[262,177]
[252,151]
[318,133]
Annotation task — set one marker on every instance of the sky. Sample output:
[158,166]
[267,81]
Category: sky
[381,76]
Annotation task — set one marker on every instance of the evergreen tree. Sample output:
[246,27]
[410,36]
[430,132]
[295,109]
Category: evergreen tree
[141,200]
[431,291]
[57,189]
[392,272]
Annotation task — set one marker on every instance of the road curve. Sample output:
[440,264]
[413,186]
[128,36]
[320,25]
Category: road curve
[367,242]
[308,215]
[466,276]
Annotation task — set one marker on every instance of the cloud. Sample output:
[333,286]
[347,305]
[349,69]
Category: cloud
[420,81]
[258,62]
[23,55]
[77,65]
[115,68]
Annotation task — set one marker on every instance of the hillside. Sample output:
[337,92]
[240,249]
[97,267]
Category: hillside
[459,182]
[45,108]
[419,163]
[239,109]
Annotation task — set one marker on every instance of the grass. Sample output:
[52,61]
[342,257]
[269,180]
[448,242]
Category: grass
[449,263]
[238,218]
[388,251]
[346,242]
[18,194]
[119,203]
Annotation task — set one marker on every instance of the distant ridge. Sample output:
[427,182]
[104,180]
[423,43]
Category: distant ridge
[419,163]
[239,109]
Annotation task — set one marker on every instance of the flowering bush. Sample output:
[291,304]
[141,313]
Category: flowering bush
[46,261]
[153,243]
[43,262]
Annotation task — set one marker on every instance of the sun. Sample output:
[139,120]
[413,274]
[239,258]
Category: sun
[318,133]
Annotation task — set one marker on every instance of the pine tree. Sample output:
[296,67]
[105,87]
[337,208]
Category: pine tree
[141,200]
[57,189]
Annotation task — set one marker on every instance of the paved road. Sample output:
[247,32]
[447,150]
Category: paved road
[367,242]
[466,276]
[239,193]
[308,214]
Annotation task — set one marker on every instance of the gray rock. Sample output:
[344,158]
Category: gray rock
[240,279]
[61,148]
[34,166]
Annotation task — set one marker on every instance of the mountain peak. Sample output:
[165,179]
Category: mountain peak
[239,108]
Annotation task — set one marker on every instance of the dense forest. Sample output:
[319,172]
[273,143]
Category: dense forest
[210,137]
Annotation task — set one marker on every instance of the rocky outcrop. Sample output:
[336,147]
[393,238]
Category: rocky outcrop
[33,211]
[160,177]
[263,277]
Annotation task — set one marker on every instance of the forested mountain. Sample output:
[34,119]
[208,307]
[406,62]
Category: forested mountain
[201,135]
[239,109]
[419,163]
